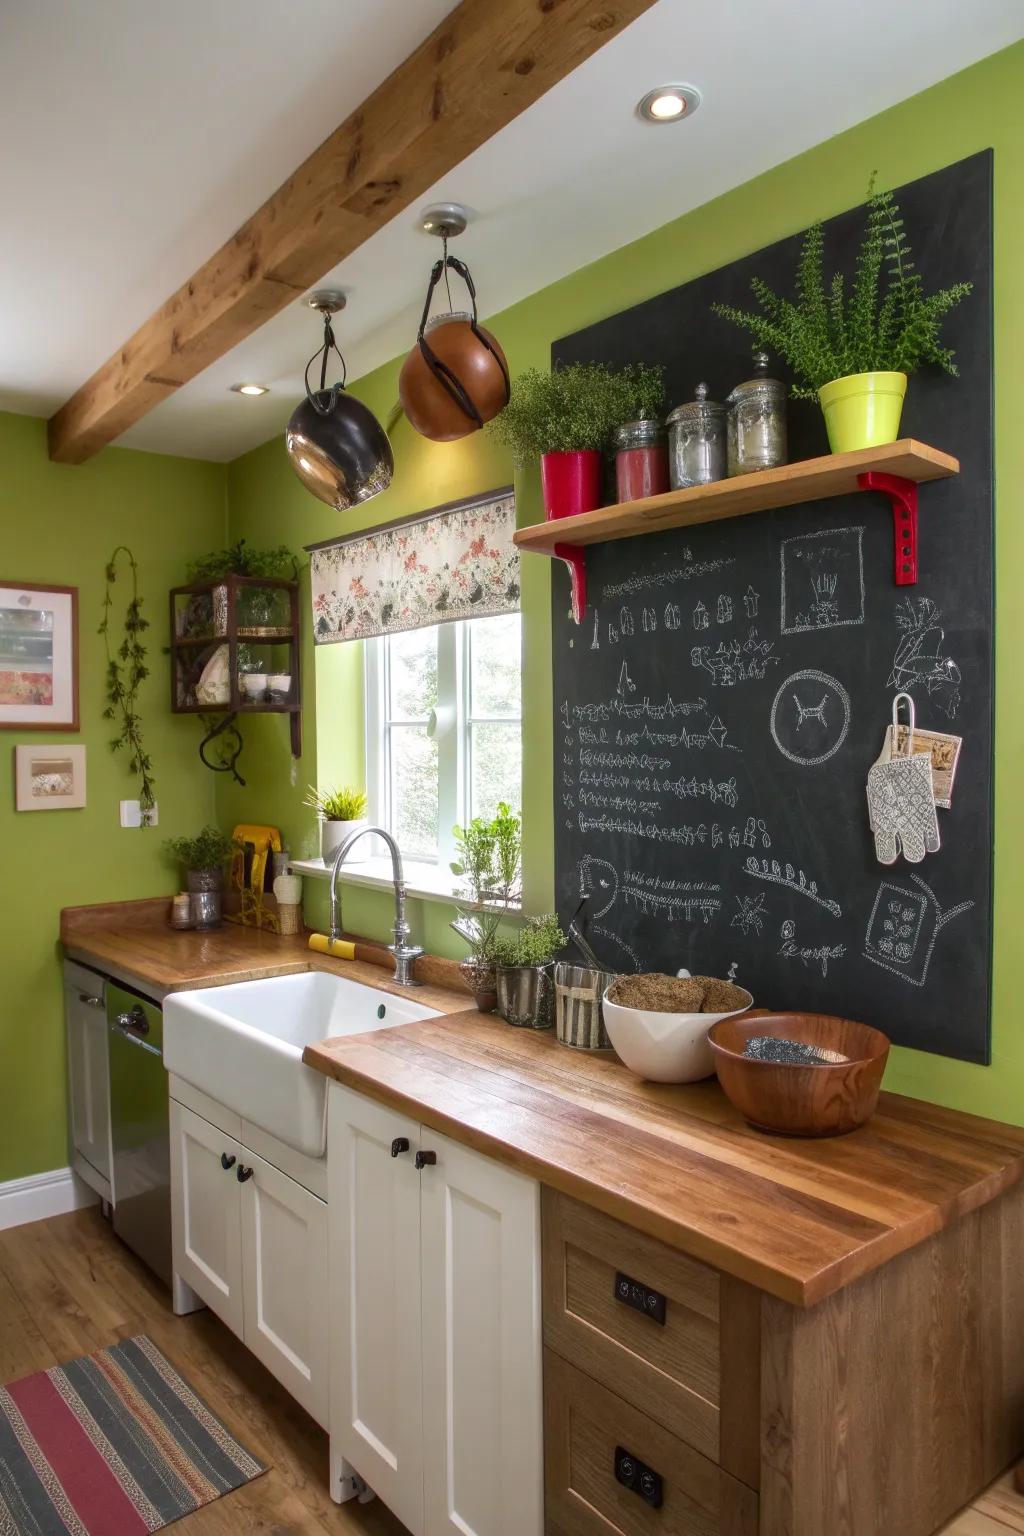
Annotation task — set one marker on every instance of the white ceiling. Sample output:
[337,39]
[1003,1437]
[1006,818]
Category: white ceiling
[139,135]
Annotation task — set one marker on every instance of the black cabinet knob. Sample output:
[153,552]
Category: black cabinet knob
[425,1159]
[227,1160]
[400,1144]
[243,1173]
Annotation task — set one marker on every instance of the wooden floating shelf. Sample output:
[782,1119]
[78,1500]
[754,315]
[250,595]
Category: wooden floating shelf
[837,474]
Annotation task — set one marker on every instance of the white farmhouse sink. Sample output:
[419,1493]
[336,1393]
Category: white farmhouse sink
[243,1045]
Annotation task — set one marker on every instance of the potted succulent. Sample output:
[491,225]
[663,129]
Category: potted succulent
[203,857]
[489,863]
[566,417]
[526,994]
[853,352]
[342,812]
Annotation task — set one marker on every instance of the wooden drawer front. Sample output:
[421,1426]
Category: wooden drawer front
[584,1424]
[671,1370]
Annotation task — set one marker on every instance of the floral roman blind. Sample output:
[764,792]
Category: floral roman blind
[455,563]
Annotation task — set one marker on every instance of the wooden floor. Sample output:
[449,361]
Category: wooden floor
[68,1286]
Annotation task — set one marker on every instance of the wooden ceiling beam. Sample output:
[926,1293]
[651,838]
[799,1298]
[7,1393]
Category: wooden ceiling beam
[487,61]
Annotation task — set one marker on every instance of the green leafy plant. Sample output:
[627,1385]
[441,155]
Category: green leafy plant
[489,863]
[574,407]
[344,804]
[886,323]
[535,944]
[208,849]
[242,559]
[126,670]
[641,392]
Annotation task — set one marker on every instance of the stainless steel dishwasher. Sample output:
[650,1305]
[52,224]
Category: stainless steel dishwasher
[140,1135]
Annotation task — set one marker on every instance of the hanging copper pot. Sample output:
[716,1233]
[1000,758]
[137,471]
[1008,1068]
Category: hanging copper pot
[455,378]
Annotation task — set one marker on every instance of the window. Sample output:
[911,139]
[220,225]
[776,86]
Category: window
[443,729]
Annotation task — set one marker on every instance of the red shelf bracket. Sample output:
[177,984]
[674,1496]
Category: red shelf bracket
[575,558]
[903,496]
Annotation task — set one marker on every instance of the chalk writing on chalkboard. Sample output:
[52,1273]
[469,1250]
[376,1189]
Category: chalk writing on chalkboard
[808,954]
[735,661]
[793,880]
[822,580]
[810,717]
[645,581]
[903,929]
[919,661]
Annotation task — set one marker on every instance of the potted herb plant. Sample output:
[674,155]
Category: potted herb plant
[342,812]
[526,994]
[640,442]
[489,863]
[257,608]
[566,418]
[203,857]
[853,351]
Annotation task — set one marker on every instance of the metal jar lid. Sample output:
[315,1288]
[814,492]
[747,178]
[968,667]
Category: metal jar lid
[446,319]
[701,410]
[646,433]
[760,387]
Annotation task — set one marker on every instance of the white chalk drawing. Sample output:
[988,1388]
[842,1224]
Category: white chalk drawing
[751,914]
[616,802]
[673,616]
[595,644]
[903,929]
[756,831]
[616,941]
[625,685]
[719,793]
[793,880]
[599,885]
[633,584]
[919,662]
[732,972]
[751,602]
[810,717]
[788,929]
[673,905]
[700,835]
[822,580]
[641,709]
[735,661]
[626,621]
[723,609]
[700,617]
[613,635]
[812,954]
[648,620]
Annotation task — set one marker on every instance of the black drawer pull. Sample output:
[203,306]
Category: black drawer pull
[227,1160]
[243,1173]
[425,1159]
[639,1478]
[399,1145]
[640,1297]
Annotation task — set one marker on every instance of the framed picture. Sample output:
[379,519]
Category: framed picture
[49,778]
[38,657]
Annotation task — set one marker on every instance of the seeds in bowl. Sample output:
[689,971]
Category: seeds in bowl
[790,1053]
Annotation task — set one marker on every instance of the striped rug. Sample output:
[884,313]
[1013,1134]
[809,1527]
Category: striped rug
[113,1444]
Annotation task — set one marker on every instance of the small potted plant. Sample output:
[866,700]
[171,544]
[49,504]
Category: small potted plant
[639,439]
[853,353]
[489,864]
[526,994]
[203,857]
[258,609]
[342,812]
[566,418]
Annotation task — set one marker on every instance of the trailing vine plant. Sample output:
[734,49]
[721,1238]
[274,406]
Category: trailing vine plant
[126,669]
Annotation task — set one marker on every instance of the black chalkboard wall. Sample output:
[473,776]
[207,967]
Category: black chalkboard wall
[708,821]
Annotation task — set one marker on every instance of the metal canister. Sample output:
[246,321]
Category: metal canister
[696,439]
[756,426]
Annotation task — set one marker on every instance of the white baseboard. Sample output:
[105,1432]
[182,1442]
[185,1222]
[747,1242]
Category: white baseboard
[42,1195]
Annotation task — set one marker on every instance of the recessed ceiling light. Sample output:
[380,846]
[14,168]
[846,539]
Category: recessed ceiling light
[251,389]
[669,103]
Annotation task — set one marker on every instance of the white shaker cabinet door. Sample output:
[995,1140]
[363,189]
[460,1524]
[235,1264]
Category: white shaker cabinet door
[482,1360]
[88,1080]
[374,1284]
[205,1222]
[284,1278]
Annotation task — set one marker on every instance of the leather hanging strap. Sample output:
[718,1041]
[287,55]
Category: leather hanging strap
[448,380]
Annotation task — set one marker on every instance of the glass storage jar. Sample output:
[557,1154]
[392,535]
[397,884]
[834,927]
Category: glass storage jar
[641,460]
[696,441]
[756,426]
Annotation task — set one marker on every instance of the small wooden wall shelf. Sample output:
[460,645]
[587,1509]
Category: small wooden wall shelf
[896,470]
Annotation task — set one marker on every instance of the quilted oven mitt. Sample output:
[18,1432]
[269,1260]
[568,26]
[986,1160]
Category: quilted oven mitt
[901,808]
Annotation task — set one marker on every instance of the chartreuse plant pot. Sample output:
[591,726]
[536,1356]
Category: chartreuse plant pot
[863,410]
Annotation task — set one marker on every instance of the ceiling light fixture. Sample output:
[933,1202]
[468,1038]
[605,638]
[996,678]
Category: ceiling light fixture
[669,103]
[338,448]
[250,389]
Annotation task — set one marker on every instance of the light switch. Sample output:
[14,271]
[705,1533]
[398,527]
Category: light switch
[131,813]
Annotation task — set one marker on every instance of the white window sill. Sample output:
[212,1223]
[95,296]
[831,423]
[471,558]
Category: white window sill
[434,881]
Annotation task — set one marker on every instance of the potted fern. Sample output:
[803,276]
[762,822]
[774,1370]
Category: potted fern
[488,863]
[341,812]
[853,351]
[526,993]
[566,418]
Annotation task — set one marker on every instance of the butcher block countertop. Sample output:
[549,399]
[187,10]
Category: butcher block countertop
[798,1219]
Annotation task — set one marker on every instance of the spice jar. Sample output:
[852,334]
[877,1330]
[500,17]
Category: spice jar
[756,427]
[641,460]
[696,441]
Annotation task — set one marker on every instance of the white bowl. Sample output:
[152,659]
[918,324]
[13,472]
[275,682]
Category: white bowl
[252,684]
[664,1047]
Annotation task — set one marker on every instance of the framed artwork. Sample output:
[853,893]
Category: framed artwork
[38,657]
[49,778]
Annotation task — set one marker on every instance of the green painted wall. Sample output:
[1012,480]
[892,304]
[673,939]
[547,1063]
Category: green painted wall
[59,524]
[910,140]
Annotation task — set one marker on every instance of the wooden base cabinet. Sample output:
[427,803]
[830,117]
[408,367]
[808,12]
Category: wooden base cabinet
[436,1372]
[252,1242]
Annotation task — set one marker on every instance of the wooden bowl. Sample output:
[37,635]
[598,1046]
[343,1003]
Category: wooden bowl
[816,1100]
